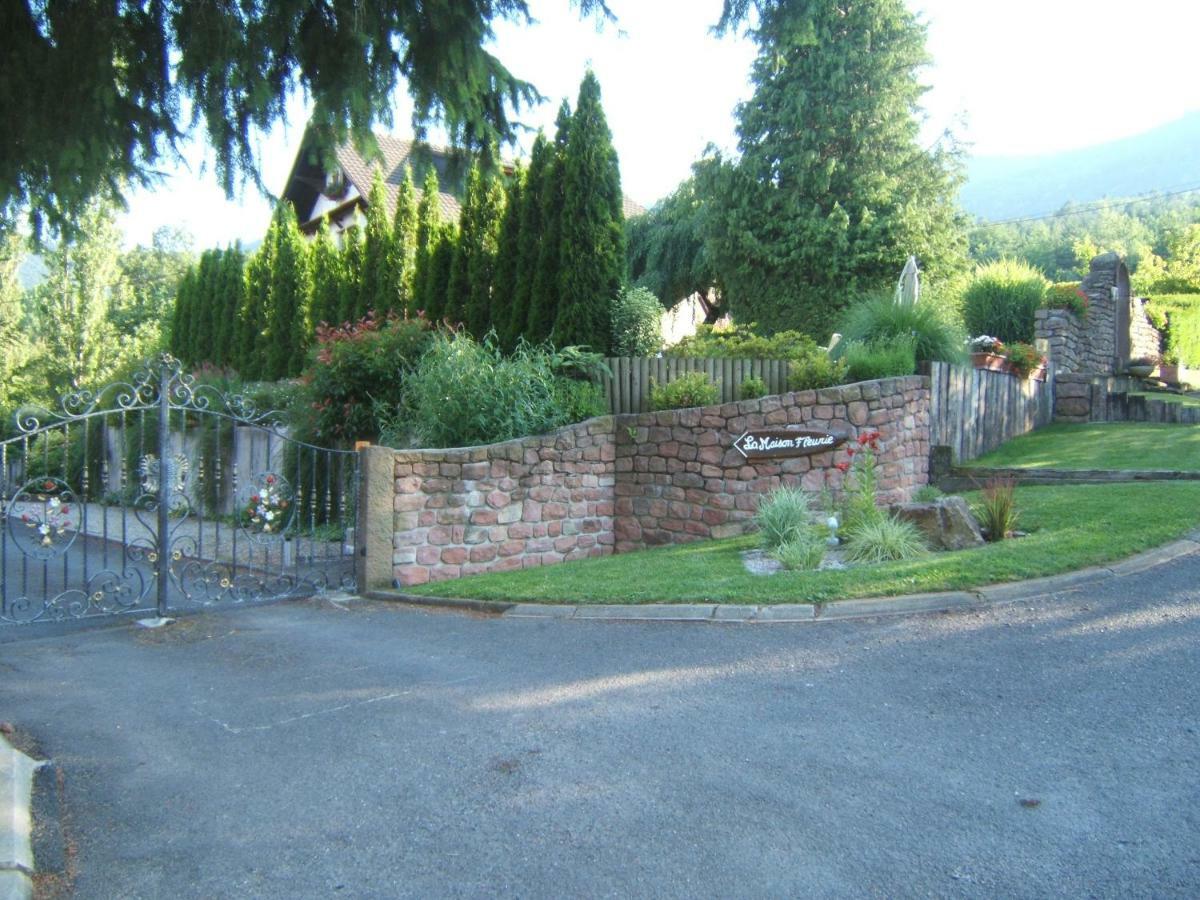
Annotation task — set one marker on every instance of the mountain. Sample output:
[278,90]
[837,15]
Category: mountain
[1162,159]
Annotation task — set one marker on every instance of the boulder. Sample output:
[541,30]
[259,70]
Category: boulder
[946,523]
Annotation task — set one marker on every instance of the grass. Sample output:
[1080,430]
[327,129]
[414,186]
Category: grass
[1125,445]
[1069,527]
[1181,399]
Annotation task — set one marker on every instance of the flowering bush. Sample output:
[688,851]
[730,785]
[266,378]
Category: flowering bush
[985,344]
[1023,358]
[871,534]
[1067,295]
[267,510]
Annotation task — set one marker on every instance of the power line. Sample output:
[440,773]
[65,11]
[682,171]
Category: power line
[1096,207]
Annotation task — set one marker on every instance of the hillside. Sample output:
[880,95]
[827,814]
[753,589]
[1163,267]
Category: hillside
[1164,158]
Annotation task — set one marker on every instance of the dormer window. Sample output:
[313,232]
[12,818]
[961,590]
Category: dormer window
[335,185]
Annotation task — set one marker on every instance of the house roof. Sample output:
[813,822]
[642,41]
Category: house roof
[307,179]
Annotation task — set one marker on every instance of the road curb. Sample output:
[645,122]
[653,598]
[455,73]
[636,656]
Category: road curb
[16,822]
[821,611]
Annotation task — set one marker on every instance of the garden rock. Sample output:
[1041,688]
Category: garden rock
[947,523]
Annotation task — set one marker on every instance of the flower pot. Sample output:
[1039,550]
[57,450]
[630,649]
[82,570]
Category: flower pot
[993,362]
[1140,371]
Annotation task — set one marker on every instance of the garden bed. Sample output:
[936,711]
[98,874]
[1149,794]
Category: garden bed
[1068,528]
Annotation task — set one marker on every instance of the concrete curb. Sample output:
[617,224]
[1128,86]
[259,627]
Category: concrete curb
[821,611]
[16,822]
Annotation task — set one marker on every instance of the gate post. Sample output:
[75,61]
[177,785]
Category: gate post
[162,575]
[374,529]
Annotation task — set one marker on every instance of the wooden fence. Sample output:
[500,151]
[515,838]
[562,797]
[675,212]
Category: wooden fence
[973,411]
[628,390]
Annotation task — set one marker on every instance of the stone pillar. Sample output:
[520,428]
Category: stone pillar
[1072,398]
[375,527]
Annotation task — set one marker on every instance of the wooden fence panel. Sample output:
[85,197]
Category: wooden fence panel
[974,411]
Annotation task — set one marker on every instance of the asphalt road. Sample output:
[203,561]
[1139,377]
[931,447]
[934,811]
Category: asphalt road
[1047,748]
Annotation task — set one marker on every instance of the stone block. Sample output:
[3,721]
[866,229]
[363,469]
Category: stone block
[947,523]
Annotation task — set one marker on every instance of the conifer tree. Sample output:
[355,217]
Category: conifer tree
[350,307]
[481,266]
[441,264]
[253,317]
[504,282]
[429,224]
[287,322]
[233,281]
[832,189]
[543,300]
[181,320]
[529,240]
[378,282]
[199,329]
[404,242]
[325,264]
[593,227]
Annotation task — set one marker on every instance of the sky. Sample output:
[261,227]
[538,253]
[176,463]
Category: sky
[1023,77]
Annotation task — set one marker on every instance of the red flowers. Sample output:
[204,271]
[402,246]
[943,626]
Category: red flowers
[869,439]
[842,466]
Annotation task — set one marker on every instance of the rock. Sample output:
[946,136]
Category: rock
[947,523]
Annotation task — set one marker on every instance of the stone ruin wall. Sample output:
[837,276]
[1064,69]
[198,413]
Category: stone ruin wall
[614,484]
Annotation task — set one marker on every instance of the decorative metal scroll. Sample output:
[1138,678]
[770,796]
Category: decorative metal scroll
[130,500]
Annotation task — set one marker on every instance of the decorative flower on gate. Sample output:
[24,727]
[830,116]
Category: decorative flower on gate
[149,468]
[268,509]
[43,518]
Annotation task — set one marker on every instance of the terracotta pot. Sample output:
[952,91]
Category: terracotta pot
[993,362]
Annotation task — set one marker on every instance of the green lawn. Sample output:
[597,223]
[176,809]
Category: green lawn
[1070,528]
[1182,399]
[1124,445]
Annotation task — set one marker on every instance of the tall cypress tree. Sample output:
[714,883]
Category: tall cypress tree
[504,282]
[325,264]
[287,324]
[404,242]
[593,227]
[832,189]
[528,242]
[481,264]
[429,223]
[233,263]
[441,264]
[181,320]
[543,300]
[199,327]
[378,283]
[252,319]
[350,308]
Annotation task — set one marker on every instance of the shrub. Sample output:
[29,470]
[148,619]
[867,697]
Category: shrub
[466,392]
[927,493]
[881,359]
[878,318]
[883,540]
[997,510]
[1024,358]
[692,389]
[782,516]
[1002,300]
[1066,295]
[357,368]
[804,551]
[752,388]
[1180,318]
[743,342]
[635,323]
[815,370]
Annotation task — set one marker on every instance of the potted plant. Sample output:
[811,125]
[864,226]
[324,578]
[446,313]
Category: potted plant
[1024,360]
[987,353]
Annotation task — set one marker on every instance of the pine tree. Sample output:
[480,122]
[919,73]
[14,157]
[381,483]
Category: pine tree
[325,263]
[404,242]
[287,323]
[504,283]
[543,299]
[378,283]
[429,223]
[831,190]
[528,242]
[593,227]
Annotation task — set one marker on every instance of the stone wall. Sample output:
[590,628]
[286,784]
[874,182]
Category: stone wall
[522,503]
[1098,352]
[620,483]
[679,478]
[1059,335]
[1144,338]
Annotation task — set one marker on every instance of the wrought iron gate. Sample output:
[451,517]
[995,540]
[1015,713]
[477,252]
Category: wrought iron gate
[164,495]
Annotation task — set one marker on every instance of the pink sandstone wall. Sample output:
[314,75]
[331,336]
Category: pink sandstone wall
[628,482]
